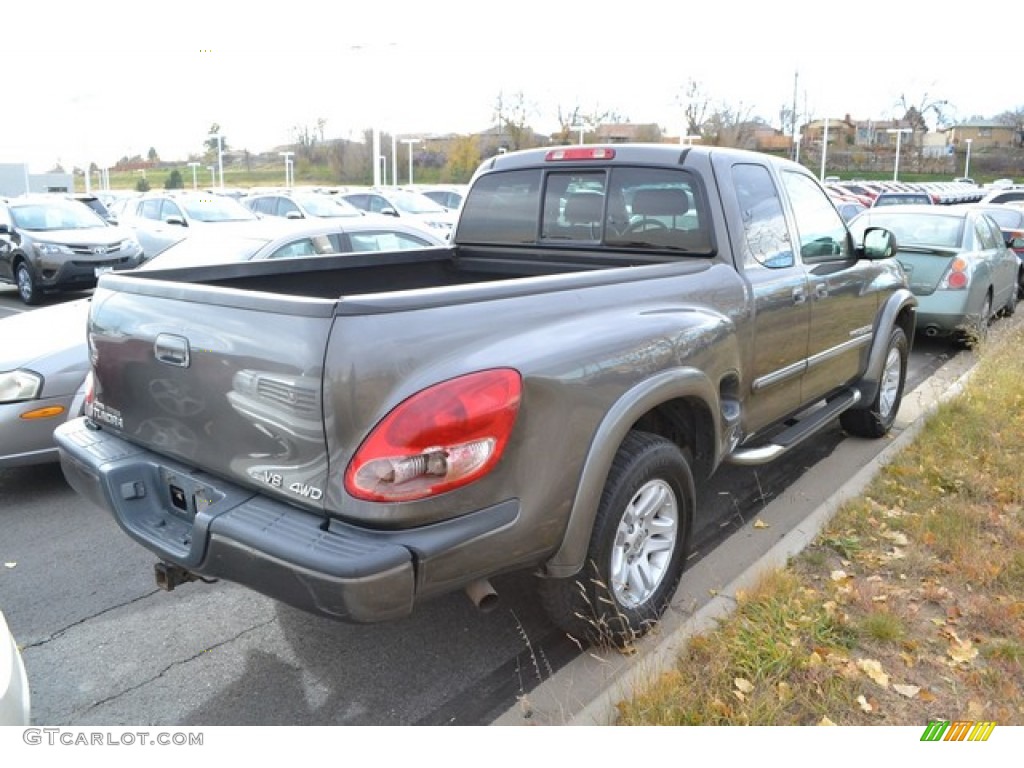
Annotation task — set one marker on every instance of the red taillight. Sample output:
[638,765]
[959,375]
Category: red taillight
[958,275]
[580,153]
[439,439]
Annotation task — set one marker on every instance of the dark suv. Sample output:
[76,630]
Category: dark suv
[51,243]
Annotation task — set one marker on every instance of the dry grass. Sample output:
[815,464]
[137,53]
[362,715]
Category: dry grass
[908,608]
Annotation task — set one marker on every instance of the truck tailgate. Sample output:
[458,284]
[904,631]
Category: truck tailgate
[225,380]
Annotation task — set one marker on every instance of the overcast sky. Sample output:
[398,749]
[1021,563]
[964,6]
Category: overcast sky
[94,81]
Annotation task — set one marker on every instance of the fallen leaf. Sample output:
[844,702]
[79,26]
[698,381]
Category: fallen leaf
[963,652]
[759,523]
[897,538]
[825,721]
[838,575]
[744,685]
[874,670]
[910,691]
[864,705]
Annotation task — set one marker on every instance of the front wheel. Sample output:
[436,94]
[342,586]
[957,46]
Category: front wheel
[637,547]
[877,419]
[28,291]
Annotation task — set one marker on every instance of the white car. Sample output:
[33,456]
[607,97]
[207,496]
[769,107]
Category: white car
[406,205]
[15,700]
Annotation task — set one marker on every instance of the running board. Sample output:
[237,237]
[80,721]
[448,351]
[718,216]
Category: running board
[795,434]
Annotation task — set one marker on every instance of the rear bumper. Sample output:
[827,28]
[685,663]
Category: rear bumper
[221,530]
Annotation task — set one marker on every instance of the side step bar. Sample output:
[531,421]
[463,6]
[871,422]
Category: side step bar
[796,434]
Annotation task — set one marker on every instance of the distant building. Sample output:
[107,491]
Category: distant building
[16,180]
[986,134]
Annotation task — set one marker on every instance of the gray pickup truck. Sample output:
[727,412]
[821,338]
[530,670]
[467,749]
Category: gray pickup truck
[354,434]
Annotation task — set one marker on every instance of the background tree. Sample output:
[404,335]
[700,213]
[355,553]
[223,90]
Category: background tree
[142,185]
[211,142]
[174,180]
[696,105]
[152,156]
[1015,119]
[512,116]
[462,160]
[589,119]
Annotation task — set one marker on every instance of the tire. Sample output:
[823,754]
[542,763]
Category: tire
[1011,304]
[979,331]
[28,291]
[637,548]
[877,419]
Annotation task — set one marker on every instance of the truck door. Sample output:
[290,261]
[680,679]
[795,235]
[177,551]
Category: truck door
[842,301]
[781,306]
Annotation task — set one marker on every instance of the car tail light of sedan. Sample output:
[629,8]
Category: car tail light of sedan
[957,277]
[441,438]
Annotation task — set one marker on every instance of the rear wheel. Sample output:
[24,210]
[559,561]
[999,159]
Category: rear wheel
[637,547]
[28,291]
[978,332]
[877,419]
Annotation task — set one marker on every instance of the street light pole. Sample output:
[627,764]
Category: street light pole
[213,176]
[289,168]
[967,160]
[409,143]
[824,150]
[220,157]
[195,181]
[899,136]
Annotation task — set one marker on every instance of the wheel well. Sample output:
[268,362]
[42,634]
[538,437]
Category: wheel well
[687,423]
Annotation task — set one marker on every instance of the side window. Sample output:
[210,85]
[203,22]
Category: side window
[823,235]
[286,206]
[983,231]
[384,241]
[150,209]
[303,247]
[171,209]
[766,236]
[264,205]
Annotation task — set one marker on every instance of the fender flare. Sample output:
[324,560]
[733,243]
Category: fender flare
[627,410]
[895,308]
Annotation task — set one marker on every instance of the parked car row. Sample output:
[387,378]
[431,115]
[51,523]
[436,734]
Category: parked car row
[44,357]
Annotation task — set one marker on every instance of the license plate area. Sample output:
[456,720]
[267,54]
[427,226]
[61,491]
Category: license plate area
[185,497]
[102,270]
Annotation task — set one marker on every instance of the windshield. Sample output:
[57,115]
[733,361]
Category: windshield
[414,202]
[216,208]
[915,229]
[56,215]
[326,207]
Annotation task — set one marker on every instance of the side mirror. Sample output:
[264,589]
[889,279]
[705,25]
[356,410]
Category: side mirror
[294,215]
[879,243]
[389,211]
[175,220]
[1016,243]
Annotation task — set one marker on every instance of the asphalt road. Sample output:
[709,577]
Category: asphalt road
[103,645]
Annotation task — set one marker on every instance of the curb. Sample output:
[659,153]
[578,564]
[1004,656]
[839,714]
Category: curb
[587,691]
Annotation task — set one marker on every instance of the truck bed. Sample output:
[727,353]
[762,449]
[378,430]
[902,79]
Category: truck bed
[331,277]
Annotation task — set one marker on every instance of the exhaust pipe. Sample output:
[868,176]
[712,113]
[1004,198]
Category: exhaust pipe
[482,594]
[169,575]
